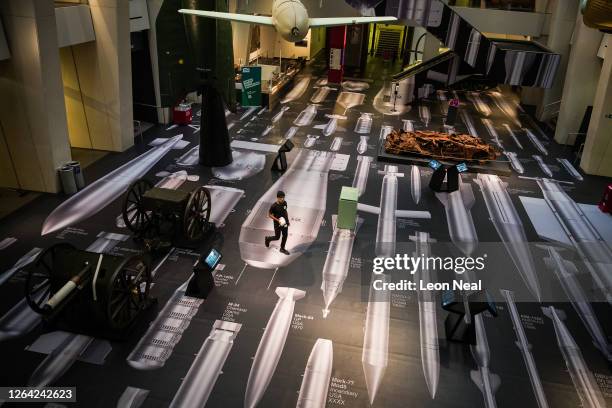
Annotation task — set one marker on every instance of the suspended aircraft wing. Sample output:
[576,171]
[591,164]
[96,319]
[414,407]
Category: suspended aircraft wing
[340,21]
[242,18]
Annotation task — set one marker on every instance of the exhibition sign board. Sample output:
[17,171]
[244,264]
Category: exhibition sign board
[251,86]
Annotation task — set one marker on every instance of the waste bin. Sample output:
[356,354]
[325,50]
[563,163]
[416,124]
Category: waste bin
[67,179]
[78,174]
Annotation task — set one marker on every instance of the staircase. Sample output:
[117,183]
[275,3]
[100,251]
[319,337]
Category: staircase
[388,42]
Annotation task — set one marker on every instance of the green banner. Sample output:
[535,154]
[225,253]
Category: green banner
[251,86]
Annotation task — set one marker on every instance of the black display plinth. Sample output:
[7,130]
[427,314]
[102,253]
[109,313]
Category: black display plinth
[459,324]
[201,283]
[215,148]
[436,183]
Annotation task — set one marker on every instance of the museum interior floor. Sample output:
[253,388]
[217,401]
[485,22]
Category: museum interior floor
[386,351]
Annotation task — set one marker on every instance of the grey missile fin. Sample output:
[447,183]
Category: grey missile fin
[467,195]
[560,313]
[544,221]
[599,220]
[476,379]
[495,382]
[443,197]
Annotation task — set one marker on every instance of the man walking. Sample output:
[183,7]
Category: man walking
[278,213]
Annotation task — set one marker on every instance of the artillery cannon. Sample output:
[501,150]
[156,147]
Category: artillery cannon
[148,209]
[88,291]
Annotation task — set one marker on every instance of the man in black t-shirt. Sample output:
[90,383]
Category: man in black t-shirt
[278,213]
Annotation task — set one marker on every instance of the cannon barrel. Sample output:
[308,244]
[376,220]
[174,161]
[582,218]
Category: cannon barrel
[88,290]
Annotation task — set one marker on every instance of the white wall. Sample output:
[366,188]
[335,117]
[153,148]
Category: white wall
[74,25]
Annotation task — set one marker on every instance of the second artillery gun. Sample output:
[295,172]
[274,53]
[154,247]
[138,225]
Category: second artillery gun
[88,292]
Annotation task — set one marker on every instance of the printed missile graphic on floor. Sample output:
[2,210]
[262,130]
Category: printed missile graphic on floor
[569,167]
[305,187]
[567,274]
[310,141]
[360,180]
[430,349]
[442,97]
[7,242]
[510,109]
[374,357]
[321,94]
[384,132]
[248,112]
[486,381]
[290,132]
[493,133]
[586,386]
[362,146]
[298,89]
[424,114]
[523,344]
[336,144]
[190,158]
[306,116]
[509,227]
[280,114]
[271,345]
[514,162]
[543,166]
[105,190]
[21,263]
[331,126]
[535,141]
[407,125]
[480,105]
[415,183]
[245,164]
[355,86]
[207,365]
[132,397]
[457,206]
[63,349]
[467,120]
[337,262]
[388,213]
[348,100]
[558,218]
[317,374]
[364,124]
[513,136]
[157,344]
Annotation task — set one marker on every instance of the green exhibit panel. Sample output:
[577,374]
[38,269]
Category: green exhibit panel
[347,208]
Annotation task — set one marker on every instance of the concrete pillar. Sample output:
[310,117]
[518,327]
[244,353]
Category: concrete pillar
[581,79]
[105,75]
[597,154]
[560,31]
[32,112]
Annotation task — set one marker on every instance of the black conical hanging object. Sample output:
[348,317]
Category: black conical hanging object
[214,139]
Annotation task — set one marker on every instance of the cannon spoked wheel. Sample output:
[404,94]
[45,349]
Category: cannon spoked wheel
[128,292]
[197,213]
[38,279]
[134,214]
